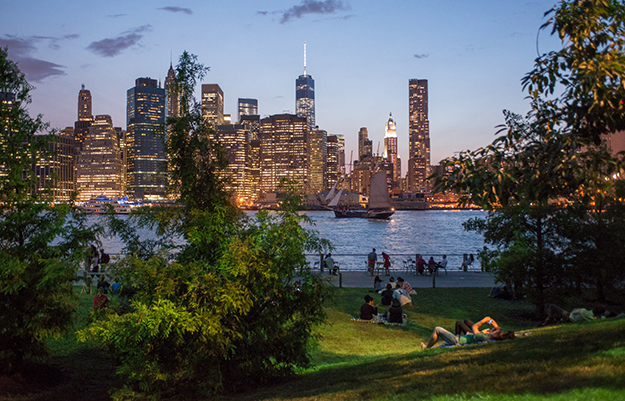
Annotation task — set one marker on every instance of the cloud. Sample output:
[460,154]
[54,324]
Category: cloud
[421,55]
[20,51]
[262,12]
[314,7]
[111,47]
[177,10]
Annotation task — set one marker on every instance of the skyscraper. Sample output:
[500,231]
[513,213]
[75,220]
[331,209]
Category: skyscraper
[213,104]
[365,146]
[305,96]
[172,97]
[418,135]
[284,147]
[84,104]
[333,163]
[85,118]
[390,147]
[247,107]
[147,163]
[100,166]
[318,155]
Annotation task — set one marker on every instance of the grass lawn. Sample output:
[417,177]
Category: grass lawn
[353,361]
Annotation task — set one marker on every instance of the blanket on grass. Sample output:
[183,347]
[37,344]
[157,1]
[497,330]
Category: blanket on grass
[382,321]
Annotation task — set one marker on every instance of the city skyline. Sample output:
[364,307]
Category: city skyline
[361,54]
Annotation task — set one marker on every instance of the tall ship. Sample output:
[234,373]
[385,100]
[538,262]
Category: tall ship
[378,207]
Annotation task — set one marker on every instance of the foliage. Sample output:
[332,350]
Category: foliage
[40,245]
[550,171]
[236,305]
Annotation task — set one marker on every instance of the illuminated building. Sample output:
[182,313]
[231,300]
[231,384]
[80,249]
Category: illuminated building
[252,124]
[85,118]
[147,163]
[247,107]
[365,145]
[172,98]
[418,135]
[305,96]
[341,153]
[284,151]
[213,104]
[235,140]
[318,155]
[333,171]
[390,149]
[56,170]
[99,170]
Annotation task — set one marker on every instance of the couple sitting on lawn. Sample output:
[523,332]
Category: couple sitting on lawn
[369,311]
[468,332]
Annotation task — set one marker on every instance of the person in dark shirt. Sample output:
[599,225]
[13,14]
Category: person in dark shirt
[368,311]
[387,295]
[395,312]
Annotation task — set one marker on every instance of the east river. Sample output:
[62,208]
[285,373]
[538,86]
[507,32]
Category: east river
[430,233]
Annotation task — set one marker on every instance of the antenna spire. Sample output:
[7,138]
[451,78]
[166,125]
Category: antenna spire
[304,58]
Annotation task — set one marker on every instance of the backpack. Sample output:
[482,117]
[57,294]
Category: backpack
[105,258]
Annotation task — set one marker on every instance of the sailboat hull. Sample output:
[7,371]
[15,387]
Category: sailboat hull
[363,214]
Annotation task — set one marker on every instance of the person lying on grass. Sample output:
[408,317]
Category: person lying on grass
[466,326]
[475,336]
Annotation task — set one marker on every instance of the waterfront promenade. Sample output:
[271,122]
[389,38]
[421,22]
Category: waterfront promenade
[361,279]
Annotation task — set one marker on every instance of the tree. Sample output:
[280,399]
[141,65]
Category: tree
[237,304]
[40,247]
[551,170]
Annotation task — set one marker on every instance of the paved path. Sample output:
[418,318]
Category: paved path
[453,279]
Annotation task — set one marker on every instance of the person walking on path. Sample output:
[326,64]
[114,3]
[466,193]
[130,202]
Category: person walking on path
[372,258]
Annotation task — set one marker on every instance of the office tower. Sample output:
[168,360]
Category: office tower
[318,155]
[172,96]
[235,140]
[333,172]
[84,104]
[85,118]
[252,126]
[418,135]
[341,153]
[247,107]
[365,146]
[213,104]
[100,166]
[284,151]
[147,163]
[122,140]
[390,147]
[56,170]
[305,96]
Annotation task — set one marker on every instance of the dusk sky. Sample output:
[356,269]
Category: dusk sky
[361,54]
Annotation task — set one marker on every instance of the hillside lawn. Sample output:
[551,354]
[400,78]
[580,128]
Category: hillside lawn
[354,361]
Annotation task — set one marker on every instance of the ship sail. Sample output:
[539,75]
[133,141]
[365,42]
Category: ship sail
[379,197]
[335,201]
[331,193]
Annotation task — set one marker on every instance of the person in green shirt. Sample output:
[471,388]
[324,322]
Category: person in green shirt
[476,336]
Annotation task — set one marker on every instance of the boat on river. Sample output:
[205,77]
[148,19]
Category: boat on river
[378,207]
[100,205]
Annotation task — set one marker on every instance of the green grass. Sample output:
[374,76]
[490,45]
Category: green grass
[354,361]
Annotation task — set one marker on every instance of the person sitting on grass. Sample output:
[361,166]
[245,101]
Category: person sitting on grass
[377,284]
[394,314]
[476,336]
[387,295]
[368,311]
[403,284]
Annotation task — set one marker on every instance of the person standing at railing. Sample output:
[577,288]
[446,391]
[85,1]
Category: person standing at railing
[372,258]
[387,263]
